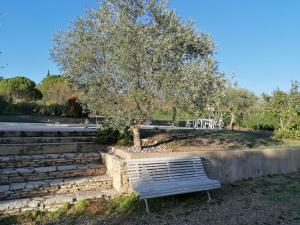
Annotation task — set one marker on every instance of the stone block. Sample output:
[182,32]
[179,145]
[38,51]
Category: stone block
[4,188]
[60,199]
[67,167]
[17,186]
[36,184]
[24,170]
[13,204]
[45,169]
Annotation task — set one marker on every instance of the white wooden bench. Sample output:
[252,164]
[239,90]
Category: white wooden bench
[157,177]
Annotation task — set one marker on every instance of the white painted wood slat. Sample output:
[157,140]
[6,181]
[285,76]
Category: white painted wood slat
[158,177]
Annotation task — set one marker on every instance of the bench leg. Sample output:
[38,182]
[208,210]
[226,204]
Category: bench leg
[208,195]
[147,208]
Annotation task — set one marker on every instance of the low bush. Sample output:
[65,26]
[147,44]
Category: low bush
[54,110]
[73,108]
[110,136]
[3,104]
[25,108]
[288,134]
[259,120]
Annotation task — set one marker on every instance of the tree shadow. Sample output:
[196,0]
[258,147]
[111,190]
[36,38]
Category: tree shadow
[210,139]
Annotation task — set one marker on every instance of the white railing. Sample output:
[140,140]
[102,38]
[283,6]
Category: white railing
[205,124]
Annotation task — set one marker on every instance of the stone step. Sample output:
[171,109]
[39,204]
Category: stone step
[13,175]
[27,140]
[53,133]
[51,202]
[45,160]
[44,148]
[56,186]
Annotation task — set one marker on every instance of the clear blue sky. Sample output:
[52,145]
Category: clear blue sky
[258,40]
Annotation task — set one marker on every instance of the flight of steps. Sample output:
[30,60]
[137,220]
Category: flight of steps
[43,170]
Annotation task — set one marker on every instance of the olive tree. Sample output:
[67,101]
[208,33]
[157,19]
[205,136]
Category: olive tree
[127,56]
[237,102]
[285,107]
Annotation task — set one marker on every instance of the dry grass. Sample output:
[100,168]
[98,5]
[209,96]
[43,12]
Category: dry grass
[211,140]
[266,200]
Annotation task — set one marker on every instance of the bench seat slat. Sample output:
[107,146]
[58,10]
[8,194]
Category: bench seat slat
[175,192]
[159,169]
[141,175]
[168,186]
[163,159]
[166,177]
[152,189]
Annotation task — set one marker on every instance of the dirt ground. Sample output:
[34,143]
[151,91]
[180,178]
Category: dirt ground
[267,200]
[212,140]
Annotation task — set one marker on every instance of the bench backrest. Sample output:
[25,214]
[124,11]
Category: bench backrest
[165,170]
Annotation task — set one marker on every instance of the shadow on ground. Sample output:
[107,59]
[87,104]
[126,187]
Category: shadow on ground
[210,139]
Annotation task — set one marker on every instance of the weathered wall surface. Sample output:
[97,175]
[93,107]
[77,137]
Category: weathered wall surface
[237,165]
[230,166]
[116,168]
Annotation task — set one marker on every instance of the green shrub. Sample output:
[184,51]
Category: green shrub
[56,110]
[81,206]
[110,136]
[8,220]
[259,120]
[50,217]
[3,104]
[125,204]
[288,134]
[26,108]
[73,108]
[52,110]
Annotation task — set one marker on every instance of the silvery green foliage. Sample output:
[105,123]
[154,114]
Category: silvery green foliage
[128,57]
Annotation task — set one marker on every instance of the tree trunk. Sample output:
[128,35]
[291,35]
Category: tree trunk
[232,121]
[137,142]
[174,112]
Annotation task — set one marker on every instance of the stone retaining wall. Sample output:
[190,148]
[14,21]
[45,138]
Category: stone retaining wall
[13,175]
[42,160]
[57,186]
[49,202]
[230,166]
[116,168]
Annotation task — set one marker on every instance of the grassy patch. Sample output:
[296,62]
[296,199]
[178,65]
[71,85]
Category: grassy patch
[245,202]
[193,139]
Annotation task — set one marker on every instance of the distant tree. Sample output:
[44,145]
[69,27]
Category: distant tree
[19,89]
[285,107]
[48,73]
[3,104]
[236,103]
[126,57]
[56,89]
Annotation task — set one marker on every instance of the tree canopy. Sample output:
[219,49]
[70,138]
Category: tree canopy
[128,56]
[19,88]
[56,89]
[237,102]
[285,107]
